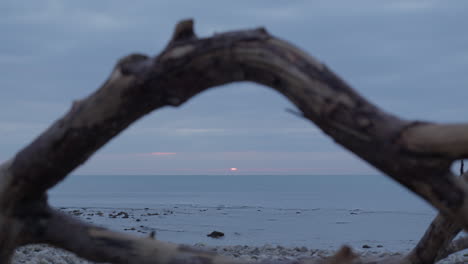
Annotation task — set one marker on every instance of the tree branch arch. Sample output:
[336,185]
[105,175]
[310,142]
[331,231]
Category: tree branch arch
[416,154]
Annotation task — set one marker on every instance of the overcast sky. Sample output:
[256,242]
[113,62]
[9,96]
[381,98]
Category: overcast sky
[409,57]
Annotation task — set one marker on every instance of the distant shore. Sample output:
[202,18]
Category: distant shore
[190,225]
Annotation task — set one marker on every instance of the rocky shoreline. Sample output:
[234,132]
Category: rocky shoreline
[48,255]
[221,226]
[43,254]
[160,221]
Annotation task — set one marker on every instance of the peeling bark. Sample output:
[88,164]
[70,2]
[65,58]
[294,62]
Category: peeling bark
[418,155]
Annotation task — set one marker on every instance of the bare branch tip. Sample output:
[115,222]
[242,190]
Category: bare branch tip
[183,31]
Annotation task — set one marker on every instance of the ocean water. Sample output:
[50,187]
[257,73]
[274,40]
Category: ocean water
[370,192]
[317,211]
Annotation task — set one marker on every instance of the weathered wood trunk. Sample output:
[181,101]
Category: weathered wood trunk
[416,154]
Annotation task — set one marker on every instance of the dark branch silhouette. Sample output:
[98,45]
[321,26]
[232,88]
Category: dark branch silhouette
[416,154]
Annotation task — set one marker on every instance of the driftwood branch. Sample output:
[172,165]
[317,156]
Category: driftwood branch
[418,155]
[454,247]
[98,244]
[436,243]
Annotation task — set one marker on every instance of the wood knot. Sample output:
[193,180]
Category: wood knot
[173,101]
[133,63]
[363,121]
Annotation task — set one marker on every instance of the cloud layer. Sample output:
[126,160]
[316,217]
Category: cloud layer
[408,56]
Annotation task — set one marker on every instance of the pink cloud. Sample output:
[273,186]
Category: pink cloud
[162,153]
[200,170]
[220,163]
[279,169]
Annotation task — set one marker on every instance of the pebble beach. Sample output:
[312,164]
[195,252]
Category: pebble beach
[147,220]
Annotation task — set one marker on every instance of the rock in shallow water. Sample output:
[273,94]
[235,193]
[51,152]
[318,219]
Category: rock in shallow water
[216,234]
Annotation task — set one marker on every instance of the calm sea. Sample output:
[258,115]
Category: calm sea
[321,212]
[371,192]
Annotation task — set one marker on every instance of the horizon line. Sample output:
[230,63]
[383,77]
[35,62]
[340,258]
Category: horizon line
[232,174]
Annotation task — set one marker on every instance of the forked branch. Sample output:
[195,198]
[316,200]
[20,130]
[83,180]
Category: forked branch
[436,243]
